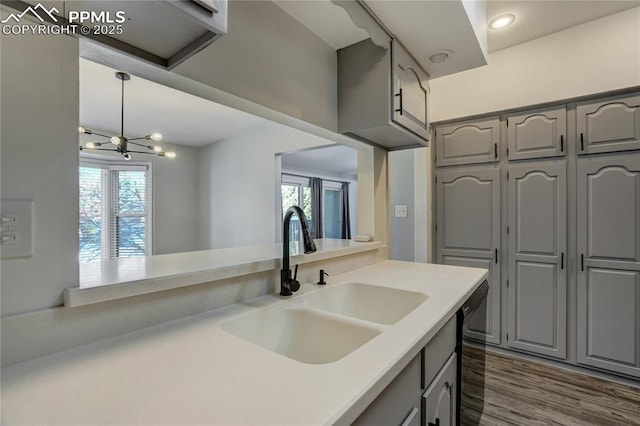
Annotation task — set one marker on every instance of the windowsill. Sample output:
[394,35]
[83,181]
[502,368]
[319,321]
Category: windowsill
[103,281]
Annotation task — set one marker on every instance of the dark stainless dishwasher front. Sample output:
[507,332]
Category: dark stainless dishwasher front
[471,371]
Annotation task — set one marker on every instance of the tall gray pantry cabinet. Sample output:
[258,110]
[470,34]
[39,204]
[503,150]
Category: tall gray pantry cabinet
[559,188]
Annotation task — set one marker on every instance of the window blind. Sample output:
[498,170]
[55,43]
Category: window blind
[128,212]
[115,213]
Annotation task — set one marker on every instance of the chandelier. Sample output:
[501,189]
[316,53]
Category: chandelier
[121,144]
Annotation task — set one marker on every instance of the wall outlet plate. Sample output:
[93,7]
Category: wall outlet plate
[401,210]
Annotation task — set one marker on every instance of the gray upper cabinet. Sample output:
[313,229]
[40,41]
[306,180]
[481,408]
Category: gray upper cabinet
[608,264]
[537,302]
[383,95]
[468,234]
[609,125]
[410,92]
[470,142]
[537,134]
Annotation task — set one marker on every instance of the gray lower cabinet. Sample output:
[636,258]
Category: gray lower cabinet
[609,124]
[399,403]
[402,402]
[468,234]
[439,400]
[609,263]
[469,142]
[538,133]
[537,283]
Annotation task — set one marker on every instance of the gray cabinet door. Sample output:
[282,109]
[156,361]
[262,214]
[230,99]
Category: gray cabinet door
[410,90]
[608,125]
[470,142]
[537,134]
[537,285]
[399,402]
[468,234]
[609,263]
[439,400]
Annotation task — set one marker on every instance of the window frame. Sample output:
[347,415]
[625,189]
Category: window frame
[107,211]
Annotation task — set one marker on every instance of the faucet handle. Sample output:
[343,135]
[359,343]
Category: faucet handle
[322,274]
[295,273]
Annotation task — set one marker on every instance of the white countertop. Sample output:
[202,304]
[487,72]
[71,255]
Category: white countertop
[101,281]
[191,371]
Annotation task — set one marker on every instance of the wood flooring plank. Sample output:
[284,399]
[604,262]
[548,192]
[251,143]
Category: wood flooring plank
[521,392]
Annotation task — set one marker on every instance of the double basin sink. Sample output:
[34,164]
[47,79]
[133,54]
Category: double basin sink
[327,325]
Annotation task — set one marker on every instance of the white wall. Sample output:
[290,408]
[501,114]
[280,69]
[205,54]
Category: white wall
[237,189]
[39,151]
[598,56]
[271,59]
[175,183]
[409,184]
[401,186]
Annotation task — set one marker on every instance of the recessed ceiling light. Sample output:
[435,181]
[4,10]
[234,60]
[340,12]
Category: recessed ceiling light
[439,56]
[501,21]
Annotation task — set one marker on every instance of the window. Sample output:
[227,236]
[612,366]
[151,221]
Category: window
[296,192]
[331,209]
[115,213]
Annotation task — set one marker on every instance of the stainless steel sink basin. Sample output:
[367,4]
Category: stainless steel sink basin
[382,305]
[304,335]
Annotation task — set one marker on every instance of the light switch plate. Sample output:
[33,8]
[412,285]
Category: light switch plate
[401,210]
[15,228]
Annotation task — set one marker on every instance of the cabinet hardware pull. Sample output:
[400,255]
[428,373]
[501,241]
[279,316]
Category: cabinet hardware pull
[581,142]
[561,143]
[495,150]
[582,262]
[400,96]
[562,260]
[496,255]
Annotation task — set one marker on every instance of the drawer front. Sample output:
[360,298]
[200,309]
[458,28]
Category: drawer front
[438,350]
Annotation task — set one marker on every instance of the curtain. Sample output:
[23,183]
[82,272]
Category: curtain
[346,223]
[316,206]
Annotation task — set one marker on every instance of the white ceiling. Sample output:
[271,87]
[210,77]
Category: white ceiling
[535,19]
[335,161]
[427,25]
[150,107]
[326,20]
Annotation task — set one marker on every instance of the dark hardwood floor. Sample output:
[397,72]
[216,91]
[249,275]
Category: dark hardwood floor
[524,393]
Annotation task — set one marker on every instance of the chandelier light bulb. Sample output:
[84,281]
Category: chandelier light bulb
[126,156]
[80,129]
[116,140]
[155,148]
[155,136]
[85,131]
[90,145]
[170,155]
